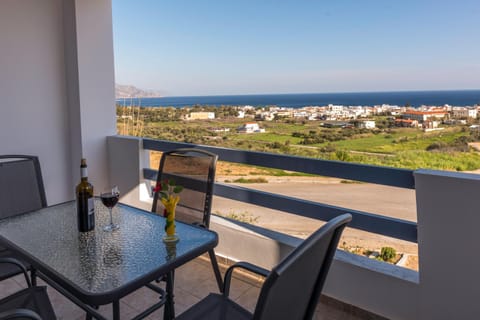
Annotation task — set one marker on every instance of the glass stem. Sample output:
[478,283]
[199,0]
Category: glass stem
[111,220]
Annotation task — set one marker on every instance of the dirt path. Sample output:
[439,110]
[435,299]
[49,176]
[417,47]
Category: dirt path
[393,202]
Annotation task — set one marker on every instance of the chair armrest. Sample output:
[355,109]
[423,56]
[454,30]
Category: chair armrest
[244,265]
[19,265]
[19,314]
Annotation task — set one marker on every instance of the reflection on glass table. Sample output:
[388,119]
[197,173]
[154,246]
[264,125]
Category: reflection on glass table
[100,267]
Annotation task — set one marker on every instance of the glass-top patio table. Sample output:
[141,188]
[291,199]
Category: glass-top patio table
[97,267]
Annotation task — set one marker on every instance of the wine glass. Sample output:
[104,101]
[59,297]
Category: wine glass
[110,198]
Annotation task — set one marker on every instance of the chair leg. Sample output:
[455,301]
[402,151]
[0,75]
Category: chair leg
[33,276]
[169,307]
[216,270]
[88,316]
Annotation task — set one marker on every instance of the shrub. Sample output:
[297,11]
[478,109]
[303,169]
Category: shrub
[328,148]
[388,253]
[436,146]
[342,155]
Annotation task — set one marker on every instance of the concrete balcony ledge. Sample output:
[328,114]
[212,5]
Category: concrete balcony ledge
[237,240]
[373,265]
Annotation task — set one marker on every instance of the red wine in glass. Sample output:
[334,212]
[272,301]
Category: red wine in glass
[109,199]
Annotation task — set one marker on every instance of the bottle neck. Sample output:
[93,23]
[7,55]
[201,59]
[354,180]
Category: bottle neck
[84,173]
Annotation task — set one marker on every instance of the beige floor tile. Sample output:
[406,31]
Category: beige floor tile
[126,312]
[10,286]
[193,271]
[142,299]
[63,307]
[238,288]
[249,298]
[184,300]
[199,289]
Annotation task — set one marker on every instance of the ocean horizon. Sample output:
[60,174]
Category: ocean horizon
[298,100]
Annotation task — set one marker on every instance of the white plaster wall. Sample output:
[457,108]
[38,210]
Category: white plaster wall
[32,89]
[448,241]
[96,88]
[57,87]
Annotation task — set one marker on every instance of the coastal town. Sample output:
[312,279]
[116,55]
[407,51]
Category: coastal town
[425,117]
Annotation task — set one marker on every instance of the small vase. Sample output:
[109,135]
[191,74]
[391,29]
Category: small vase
[170,235]
[171,248]
[170,238]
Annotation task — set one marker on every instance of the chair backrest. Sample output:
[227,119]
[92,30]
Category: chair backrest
[193,169]
[292,289]
[21,185]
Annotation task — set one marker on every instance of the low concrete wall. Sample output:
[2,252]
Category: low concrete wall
[448,241]
[126,162]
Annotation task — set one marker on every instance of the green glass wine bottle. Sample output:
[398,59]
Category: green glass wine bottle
[85,203]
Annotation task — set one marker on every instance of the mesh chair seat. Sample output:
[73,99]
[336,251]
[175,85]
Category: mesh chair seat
[291,290]
[194,170]
[21,185]
[21,190]
[33,299]
[9,270]
[29,303]
[216,307]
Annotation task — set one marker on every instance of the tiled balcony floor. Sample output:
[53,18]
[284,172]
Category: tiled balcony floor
[193,281]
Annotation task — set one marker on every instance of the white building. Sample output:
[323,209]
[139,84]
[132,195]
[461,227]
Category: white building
[463,112]
[335,108]
[201,116]
[366,124]
[250,127]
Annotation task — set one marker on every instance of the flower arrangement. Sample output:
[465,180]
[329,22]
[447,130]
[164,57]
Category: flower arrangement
[168,192]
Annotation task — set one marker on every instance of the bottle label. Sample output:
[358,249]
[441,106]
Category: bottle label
[85,212]
[91,206]
[83,172]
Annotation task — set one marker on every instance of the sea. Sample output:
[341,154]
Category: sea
[298,100]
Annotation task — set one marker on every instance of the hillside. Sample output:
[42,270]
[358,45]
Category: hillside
[129,91]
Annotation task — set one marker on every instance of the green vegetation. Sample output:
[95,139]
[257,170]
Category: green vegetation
[387,254]
[242,217]
[385,146]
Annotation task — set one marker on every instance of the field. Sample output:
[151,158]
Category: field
[447,149]
[411,148]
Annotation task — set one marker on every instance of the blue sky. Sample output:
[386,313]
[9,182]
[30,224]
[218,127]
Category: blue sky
[210,47]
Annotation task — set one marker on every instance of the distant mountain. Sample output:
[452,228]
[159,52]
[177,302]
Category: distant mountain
[129,91]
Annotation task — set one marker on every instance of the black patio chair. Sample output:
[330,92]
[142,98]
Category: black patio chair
[194,170]
[291,290]
[21,190]
[29,303]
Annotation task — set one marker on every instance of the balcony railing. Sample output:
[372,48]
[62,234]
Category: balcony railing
[387,226]
[446,230]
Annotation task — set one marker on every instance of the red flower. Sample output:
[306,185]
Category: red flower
[157,188]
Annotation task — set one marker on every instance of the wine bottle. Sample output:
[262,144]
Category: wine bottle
[85,204]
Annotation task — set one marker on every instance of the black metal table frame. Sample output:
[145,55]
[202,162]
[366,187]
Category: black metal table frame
[90,302]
